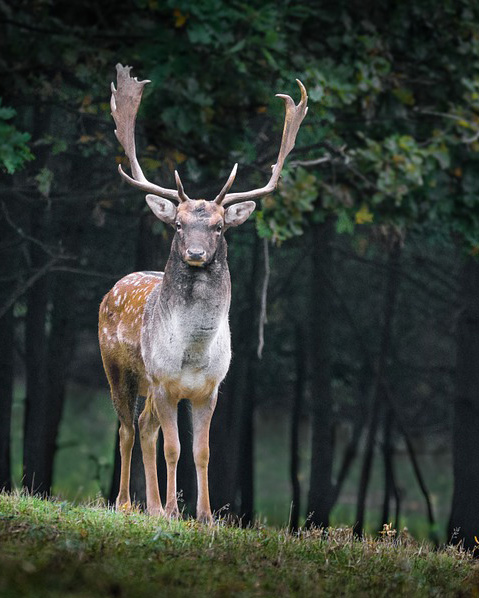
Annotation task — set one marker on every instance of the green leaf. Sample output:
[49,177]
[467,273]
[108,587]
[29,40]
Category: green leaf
[344,223]
[44,180]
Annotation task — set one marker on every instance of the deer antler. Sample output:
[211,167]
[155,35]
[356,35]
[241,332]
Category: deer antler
[125,102]
[293,119]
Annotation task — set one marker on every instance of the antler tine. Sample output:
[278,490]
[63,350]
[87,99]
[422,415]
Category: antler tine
[125,102]
[221,195]
[181,192]
[293,118]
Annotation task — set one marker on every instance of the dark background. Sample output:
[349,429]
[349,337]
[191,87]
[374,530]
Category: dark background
[364,406]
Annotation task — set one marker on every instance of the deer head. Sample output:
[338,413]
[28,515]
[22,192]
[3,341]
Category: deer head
[199,224]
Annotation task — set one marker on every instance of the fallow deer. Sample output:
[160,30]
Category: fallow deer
[166,335]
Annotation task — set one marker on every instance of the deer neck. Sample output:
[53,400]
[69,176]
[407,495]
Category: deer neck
[197,299]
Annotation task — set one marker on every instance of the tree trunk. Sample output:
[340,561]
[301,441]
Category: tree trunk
[389,481]
[60,352]
[295,423]
[224,444]
[36,476]
[464,520]
[246,400]
[246,463]
[320,486]
[186,464]
[389,306]
[6,396]
[9,250]
[360,413]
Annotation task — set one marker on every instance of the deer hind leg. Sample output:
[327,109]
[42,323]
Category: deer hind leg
[202,414]
[149,425]
[124,386]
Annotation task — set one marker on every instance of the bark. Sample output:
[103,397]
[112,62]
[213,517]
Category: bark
[464,519]
[320,496]
[389,307]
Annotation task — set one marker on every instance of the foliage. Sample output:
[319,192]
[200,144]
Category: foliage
[282,214]
[54,549]
[14,149]
[393,100]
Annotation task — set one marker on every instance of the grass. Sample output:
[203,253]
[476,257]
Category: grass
[54,549]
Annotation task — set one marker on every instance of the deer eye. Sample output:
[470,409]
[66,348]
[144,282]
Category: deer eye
[178,226]
[219,227]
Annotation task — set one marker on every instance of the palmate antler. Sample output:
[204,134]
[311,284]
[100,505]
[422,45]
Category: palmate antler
[293,119]
[125,102]
[124,106]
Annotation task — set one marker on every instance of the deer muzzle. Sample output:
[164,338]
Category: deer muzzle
[195,256]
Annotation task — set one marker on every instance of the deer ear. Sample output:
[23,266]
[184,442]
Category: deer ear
[238,213]
[162,208]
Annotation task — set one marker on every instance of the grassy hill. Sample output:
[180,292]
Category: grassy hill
[55,549]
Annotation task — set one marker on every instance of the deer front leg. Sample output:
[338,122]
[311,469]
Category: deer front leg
[149,425]
[168,415]
[202,414]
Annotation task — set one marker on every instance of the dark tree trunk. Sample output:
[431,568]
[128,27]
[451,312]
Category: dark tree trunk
[36,476]
[137,475]
[246,463]
[6,396]
[295,423]
[247,402]
[359,420]
[389,306]
[224,445]
[389,481]
[60,352]
[415,466]
[115,474]
[320,486]
[186,464]
[464,520]
[9,250]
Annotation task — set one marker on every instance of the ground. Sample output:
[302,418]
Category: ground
[54,549]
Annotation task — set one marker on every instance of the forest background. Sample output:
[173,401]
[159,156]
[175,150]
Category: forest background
[362,407]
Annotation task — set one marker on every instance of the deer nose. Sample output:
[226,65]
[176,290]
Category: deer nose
[195,254]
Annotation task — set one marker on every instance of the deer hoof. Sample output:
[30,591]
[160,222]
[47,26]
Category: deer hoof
[156,511]
[172,512]
[205,517]
[123,507]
